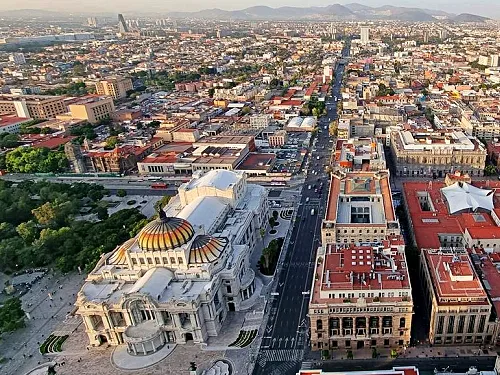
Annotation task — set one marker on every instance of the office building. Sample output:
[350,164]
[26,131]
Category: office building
[365,34]
[116,87]
[122,25]
[359,209]
[361,296]
[92,108]
[457,302]
[17,58]
[33,106]
[436,153]
[184,274]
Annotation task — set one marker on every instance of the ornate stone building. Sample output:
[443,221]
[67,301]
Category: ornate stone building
[428,154]
[180,277]
[361,297]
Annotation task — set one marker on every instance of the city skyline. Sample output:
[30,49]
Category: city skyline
[484,8]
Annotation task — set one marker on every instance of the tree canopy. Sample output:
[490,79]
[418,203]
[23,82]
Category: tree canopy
[39,226]
[35,160]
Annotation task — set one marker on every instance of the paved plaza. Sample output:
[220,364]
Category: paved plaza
[144,203]
[21,348]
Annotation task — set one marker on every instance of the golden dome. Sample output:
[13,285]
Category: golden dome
[119,256]
[206,249]
[165,233]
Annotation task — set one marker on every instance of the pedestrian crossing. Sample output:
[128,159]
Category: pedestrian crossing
[283,355]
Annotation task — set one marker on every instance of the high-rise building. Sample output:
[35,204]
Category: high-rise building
[426,36]
[116,87]
[122,25]
[365,34]
[17,58]
[92,22]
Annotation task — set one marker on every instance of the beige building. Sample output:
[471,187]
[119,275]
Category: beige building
[359,209]
[361,297]
[93,109]
[184,274]
[457,303]
[278,139]
[32,106]
[116,87]
[426,154]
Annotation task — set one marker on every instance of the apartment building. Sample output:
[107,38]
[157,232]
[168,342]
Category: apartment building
[359,209]
[92,109]
[32,106]
[361,296]
[457,302]
[116,87]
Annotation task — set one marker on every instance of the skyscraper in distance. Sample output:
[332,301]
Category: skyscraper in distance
[122,25]
[365,34]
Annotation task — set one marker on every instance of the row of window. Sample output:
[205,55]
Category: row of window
[460,326]
[157,260]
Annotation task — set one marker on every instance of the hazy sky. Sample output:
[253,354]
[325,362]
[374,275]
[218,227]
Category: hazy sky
[489,8]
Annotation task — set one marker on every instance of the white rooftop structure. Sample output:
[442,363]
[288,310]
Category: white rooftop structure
[463,196]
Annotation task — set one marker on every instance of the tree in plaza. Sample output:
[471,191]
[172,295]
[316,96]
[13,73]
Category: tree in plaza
[11,315]
[272,222]
[275,215]
[121,193]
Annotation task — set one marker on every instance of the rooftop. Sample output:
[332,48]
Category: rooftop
[360,188]
[431,217]
[453,277]
[361,267]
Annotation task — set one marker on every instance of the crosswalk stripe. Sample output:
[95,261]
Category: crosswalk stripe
[283,355]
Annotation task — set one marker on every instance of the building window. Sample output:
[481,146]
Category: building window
[142,260]
[319,324]
[347,343]
[440,325]
[461,324]
[134,261]
[482,323]
[150,261]
[228,288]
[179,260]
[472,323]
[172,260]
[451,324]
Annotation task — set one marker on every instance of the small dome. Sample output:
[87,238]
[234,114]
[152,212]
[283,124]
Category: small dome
[165,233]
[206,249]
[119,257]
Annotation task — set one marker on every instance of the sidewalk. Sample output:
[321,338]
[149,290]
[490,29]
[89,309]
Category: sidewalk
[423,351]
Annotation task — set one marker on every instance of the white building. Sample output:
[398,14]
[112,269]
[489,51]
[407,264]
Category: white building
[365,35]
[181,276]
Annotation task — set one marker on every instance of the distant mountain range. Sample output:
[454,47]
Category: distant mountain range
[334,12]
[353,11]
